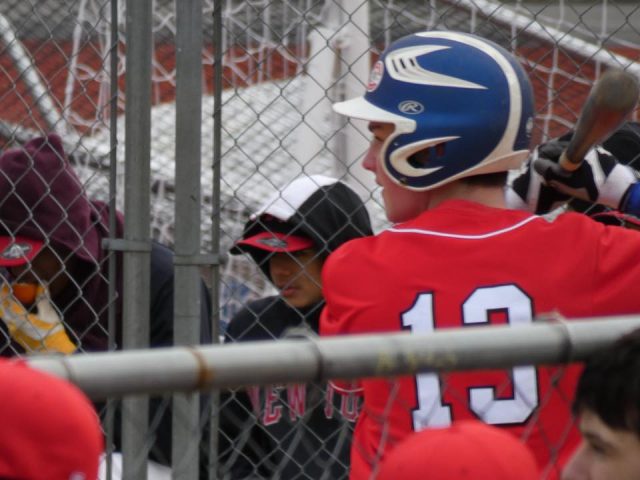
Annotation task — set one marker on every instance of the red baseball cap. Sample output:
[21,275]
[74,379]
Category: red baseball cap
[50,429]
[274,242]
[18,250]
[469,449]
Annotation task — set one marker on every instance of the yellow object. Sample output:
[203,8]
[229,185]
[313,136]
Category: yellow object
[41,332]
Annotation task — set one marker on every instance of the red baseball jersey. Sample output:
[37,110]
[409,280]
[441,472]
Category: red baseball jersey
[464,264]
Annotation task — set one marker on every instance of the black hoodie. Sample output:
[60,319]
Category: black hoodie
[291,431]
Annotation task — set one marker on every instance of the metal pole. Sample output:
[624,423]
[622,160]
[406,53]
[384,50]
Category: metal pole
[215,274]
[351,22]
[111,405]
[136,256]
[43,101]
[345,357]
[186,323]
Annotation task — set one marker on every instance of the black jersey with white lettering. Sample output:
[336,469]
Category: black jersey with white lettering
[283,431]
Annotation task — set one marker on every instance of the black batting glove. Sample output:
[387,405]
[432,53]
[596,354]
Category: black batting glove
[542,185]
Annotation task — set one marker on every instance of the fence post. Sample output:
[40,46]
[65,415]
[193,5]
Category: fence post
[112,404]
[186,429]
[215,272]
[136,264]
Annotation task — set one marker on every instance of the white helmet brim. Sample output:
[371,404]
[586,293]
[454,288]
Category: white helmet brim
[361,109]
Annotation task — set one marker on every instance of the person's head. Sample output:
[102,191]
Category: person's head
[291,261]
[296,229]
[469,449]
[49,427]
[607,405]
[46,220]
[442,106]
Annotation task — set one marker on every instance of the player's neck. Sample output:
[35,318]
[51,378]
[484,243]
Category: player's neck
[490,196]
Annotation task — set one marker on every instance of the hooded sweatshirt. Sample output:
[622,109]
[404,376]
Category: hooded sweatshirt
[42,198]
[291,431]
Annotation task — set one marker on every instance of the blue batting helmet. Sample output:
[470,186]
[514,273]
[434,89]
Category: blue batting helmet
[460,100]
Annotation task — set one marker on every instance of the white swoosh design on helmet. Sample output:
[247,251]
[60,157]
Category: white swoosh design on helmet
[402,65]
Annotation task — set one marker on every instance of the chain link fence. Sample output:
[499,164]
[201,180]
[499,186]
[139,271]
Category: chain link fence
[190,162]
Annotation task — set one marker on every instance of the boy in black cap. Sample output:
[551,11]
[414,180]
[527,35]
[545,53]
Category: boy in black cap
[292,431]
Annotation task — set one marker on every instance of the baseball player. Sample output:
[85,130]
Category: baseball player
[292,431]
[450,113]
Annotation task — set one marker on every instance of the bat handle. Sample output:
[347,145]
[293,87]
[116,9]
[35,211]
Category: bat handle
[567,165]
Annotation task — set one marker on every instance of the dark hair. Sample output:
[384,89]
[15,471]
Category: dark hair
[610,384]
[496,179]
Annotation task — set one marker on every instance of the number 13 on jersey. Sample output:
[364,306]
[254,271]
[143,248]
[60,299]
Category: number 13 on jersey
[484,401]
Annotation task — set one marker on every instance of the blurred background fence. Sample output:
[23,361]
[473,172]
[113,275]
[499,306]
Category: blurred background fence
[282,63]
[209,107]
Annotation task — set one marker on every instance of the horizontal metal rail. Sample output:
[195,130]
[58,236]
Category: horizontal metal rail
[525,23]
[300,360]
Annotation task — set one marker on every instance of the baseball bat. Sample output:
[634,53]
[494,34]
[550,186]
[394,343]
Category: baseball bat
[610,101]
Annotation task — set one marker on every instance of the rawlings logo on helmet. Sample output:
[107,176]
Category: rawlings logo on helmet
[411,107]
